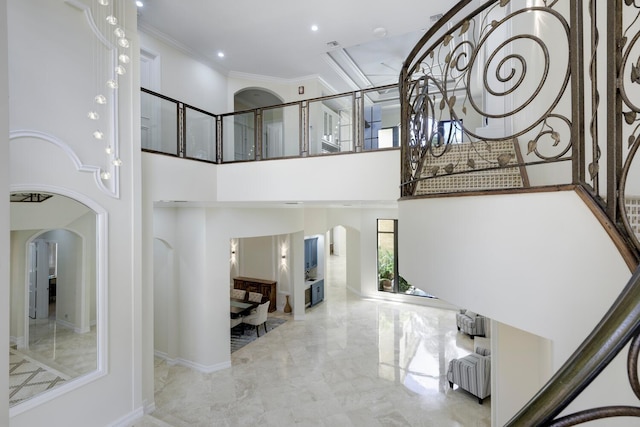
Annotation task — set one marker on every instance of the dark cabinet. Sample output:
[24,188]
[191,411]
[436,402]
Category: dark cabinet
[265,287]
[317,292]
[310,253]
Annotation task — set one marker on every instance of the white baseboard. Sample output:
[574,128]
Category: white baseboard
[129,419]
[17,341]
[81,330]
[66,324]
[207,369]
[164,356]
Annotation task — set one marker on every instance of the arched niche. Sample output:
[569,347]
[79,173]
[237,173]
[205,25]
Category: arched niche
[255,97]
[57,294]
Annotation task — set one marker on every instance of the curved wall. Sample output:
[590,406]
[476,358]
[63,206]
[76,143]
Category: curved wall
[539,265]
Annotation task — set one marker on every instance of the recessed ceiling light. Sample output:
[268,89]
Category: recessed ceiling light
[314,28]
[220,54]
[380,32]
[139,3]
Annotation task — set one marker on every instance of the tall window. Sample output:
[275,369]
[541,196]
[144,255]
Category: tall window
[387,259]
[389,280]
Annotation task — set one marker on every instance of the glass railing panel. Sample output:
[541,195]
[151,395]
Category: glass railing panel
[281,131]
[159,124]
[331,125]
[381,115]
[200,134]
[239,137]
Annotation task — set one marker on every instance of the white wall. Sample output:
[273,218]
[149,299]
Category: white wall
[546,249]
[521,365]
[54,101]
[258,257]
[371,176]
[186,79]
[70,277]
[200,238]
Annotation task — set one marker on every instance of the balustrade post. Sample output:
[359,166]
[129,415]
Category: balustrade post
[218,139]
[257,125]
[304,129]
[614,105]
[576,61]
[358,123]
[182,129]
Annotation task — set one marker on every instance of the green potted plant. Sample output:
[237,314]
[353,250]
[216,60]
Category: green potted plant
[385,270]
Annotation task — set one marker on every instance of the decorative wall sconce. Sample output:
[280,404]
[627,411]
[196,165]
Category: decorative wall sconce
[283,255]
[233,252]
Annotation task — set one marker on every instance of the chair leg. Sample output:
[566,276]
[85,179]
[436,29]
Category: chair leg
[480,401]
[451,384]
[265,327]
[258,330]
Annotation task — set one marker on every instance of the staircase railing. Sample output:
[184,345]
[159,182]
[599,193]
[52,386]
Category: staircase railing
[536,76]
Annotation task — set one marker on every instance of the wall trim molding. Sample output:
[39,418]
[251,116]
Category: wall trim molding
[15,135]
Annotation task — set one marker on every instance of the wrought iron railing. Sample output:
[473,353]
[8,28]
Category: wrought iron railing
[345,123]
[514,88]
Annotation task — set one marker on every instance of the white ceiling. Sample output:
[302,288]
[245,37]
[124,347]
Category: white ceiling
[274,38]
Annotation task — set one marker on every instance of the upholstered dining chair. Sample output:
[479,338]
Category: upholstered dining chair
[238,294]
[235,322]
[258,318]
[255,297]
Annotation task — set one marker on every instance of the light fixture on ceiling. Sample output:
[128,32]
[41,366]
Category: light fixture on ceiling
[220,54]
[111,60]
[139,3]
[29,197]
[380,32]
[314,28]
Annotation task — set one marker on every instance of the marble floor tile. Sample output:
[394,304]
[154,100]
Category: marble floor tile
[351,362]
[59,350]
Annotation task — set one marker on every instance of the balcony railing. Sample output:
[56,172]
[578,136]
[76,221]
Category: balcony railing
[346,123]
[503,94]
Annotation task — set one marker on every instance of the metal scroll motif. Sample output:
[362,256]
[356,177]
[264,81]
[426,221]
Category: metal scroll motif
[491,53]
[629,90]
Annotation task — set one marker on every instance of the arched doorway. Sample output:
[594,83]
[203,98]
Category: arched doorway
[255,97]
[259,108]
[55,293]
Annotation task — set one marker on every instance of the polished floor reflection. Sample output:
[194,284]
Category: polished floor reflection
[56,354]
[351,362]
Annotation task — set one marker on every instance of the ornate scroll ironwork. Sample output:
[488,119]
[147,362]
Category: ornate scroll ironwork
[535,78]
[490,52]
[628,78]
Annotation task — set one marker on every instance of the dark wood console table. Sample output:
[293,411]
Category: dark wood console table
[266,287]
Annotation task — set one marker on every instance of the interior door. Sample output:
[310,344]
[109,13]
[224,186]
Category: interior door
[39,280]
[33,266]
[274,140]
